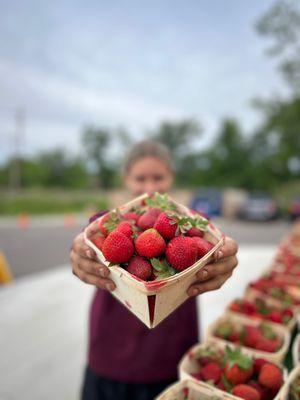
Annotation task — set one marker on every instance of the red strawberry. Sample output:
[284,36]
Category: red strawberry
[181,252]
[98,241]
[117,248]
[275,316]
[269,345]
[270,376]
[239,367]
[150,244]
[131,215]
[246,392]
[101,223]
[264,392]
[257,365]
[125,227]
[147,220]
[195,232]
[211,372]
[140,267]
[252,336]
[203,246]
[166,226]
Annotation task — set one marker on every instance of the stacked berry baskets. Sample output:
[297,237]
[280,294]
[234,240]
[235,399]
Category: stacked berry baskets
[154,247]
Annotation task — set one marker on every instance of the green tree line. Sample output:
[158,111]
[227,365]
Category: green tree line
[267,158]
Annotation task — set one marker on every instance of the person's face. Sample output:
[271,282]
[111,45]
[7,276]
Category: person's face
[148,175]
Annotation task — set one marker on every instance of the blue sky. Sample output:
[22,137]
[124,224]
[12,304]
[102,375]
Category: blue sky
[128,63]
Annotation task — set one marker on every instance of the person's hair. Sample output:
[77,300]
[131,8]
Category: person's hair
[147,148]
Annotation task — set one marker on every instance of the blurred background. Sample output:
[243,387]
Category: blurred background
[80,82]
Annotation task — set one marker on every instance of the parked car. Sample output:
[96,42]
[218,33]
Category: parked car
[207,201]
[259,207]
[294,208]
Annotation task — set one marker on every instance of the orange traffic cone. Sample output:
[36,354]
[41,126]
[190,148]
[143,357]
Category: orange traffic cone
[69,220]
[5,273]
[23,221]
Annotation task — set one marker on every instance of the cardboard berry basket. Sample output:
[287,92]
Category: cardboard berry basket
[188,366]
[296,351]
[153,301]
[285,392]
[190,390]
[292,290]
[269,301]
[237,320]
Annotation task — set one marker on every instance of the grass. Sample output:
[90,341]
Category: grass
[50,202]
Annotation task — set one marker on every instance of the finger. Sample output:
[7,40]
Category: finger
[229,248]
[81,248]
[212,284]
[96,268]
[93,267]
[90,279]
[220,268]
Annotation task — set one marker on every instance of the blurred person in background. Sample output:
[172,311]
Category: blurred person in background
[126,360]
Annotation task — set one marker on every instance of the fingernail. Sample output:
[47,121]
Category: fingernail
[103,272]
[109,286]
[219,255]
[194,292]
[204,274]
[90,254]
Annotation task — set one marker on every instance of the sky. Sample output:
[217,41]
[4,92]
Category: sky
[68,64]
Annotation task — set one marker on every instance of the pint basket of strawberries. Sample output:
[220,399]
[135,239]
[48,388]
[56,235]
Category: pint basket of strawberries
[233,370]
[261,338]
[190,390]
[263,308]
[278,288]
[291,388]
[154,247]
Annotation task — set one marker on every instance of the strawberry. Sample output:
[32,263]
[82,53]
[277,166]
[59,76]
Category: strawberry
[140,267]
[125,227]
[166,226]
[117,248]
[270,376]
[101,223]
[109,222]
[147,220]
[181,252]
[252,336]
[195,232]
[263,392]
[150,244]
[268,345]
[239,367]
[275,316]
[211,372]
[131,215]
[257,365]
[246,392]
[203,246]
[98,241]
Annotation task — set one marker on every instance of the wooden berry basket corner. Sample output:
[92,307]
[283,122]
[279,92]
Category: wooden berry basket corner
[188,365]
[196,391]
[167,294]
[276,357]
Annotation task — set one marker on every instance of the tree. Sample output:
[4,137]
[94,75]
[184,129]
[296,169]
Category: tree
[179,136]
[281,23]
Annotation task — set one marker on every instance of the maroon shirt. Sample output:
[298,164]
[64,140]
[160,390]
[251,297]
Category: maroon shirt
[122,348]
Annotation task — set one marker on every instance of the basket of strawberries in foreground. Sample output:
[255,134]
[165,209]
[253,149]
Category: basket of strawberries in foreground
[263,308]
[154,247]
[261,338]
[234,371]
[278,289]
[190,390]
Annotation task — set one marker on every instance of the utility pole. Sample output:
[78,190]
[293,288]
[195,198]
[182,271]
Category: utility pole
[18,136]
